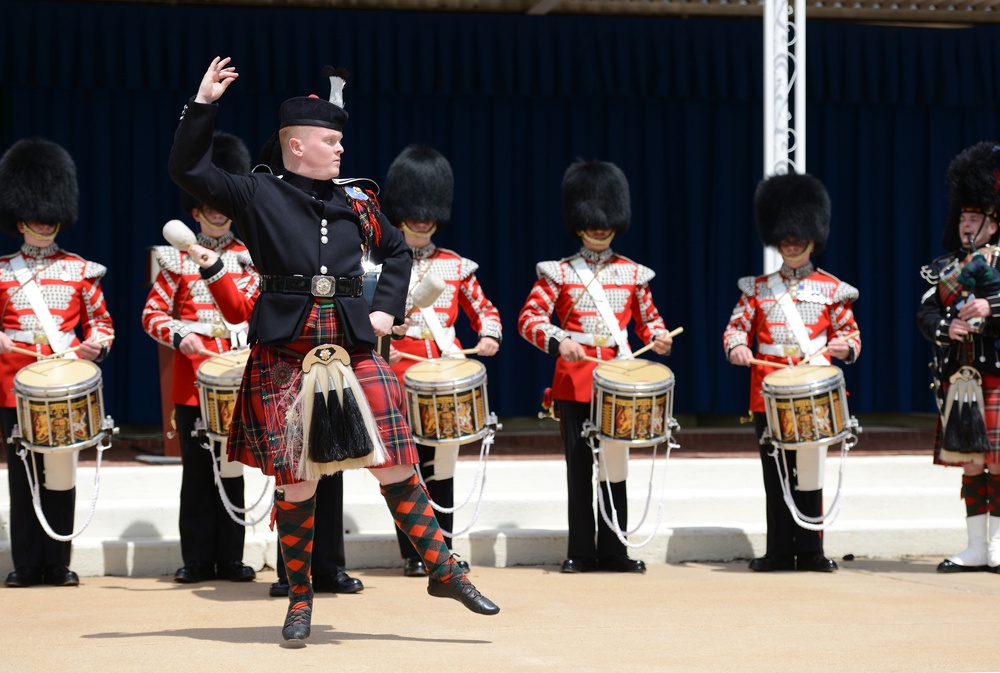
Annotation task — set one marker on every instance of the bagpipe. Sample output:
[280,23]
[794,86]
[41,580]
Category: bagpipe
[959,394]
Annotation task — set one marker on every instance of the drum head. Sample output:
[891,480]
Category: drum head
[801,378]
[638,375]
[56,376]
[444,370]
[225,368]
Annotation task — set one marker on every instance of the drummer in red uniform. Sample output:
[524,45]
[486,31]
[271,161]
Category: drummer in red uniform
[199,304]
[48,294]
[593,295]
[793,313]
[417,198]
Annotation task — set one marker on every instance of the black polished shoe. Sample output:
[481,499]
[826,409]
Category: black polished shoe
[620,564]
[768,563]
[235,571]
[949,566]
[279,588]
[464,565]
[463,591]
[414,567]
[194,573]
[816,563]
[23,578]
[341,583]
[577,565]
[60,576]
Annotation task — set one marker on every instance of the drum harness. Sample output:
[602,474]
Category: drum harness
[590,431]
[794,322]
[58,340]
[201,433]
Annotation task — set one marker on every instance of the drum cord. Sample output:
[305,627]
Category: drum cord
[813,523]
[232,509]
[31,472]
[480,479]
[612,522]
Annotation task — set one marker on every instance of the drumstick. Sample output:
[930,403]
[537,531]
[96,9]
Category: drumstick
[224,356]
[645,348]
[412,357]
[815,355]
[767,363]
[98,340]
[464,351]
[25,351]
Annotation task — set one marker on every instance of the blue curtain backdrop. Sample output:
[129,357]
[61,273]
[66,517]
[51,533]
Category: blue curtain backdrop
[512,100]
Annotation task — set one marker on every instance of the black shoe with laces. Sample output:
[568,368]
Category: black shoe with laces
[462,590]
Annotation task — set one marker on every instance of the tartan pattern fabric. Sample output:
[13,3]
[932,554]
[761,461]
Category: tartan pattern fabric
[413,514]
[295,535]
[974,492]
[991,414]
[263,433]
[992,491]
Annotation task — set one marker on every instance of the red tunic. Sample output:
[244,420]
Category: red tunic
[823,302]
[462,289]
[181,302]
[560,291]
[71,288]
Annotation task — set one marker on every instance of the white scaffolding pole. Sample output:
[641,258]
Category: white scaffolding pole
[784,73]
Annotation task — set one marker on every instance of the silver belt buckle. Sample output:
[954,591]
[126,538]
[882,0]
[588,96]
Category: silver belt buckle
[323,286]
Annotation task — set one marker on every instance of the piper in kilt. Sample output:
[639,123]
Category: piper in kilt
[958,315]
[308,235]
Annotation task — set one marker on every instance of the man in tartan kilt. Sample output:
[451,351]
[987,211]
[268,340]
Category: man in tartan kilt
[308,235]
[958,315]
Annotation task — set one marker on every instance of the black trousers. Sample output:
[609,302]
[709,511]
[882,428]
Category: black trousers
[441,492]
[208,534]
[784,536]
[328,541]
[31,547]
[580,489]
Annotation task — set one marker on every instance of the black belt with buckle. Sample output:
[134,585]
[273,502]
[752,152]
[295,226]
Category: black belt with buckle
[316,286]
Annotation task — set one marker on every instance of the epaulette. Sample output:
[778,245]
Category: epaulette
[168,257]
[748,285]
[469,267]
[643,274]
[844,291]
[931,273]
[551,270]
[364,184]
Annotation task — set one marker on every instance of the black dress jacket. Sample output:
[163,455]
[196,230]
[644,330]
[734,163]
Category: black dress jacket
[982,349]
[280,220]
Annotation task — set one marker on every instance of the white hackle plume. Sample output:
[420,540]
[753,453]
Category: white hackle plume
[178,234]
[338,78]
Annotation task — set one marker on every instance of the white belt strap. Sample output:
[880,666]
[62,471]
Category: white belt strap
[596,291]
[792,318]
[237,334]
[58,341]
[439,332]
[586,339]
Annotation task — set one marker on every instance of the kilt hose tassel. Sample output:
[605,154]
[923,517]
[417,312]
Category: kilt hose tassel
[295,536]
[338,428]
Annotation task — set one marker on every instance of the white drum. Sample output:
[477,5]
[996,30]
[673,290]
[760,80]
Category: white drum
[633,402]
[446,401]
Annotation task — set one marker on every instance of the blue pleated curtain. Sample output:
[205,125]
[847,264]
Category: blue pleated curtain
[512,100]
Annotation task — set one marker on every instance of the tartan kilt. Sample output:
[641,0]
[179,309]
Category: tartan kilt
[260,435]
[991,414]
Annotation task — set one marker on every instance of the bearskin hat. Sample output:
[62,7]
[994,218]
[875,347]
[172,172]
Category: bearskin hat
[419,187]
[595,195]
[37,183]
[228,153]
[792,205]
[973,185]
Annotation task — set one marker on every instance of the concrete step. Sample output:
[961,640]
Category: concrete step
[699,509]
